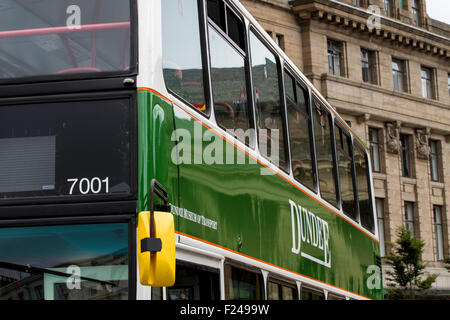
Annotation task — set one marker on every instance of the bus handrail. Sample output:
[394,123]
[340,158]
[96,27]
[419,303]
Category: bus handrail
[64,29]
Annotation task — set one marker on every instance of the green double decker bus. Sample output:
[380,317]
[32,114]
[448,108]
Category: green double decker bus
[269,189]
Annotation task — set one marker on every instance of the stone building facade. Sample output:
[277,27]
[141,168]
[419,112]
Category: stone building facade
[389,77]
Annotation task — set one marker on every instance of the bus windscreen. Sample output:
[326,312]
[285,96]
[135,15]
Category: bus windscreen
[57,37]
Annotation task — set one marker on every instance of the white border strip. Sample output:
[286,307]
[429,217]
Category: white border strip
[213,251]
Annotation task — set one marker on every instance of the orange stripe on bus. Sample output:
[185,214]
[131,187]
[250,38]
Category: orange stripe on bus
[263,164]
[262,261]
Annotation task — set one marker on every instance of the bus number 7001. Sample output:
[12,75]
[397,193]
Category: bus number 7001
[85,185]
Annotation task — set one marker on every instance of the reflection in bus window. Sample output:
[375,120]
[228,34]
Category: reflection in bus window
[182,56]
[157,293]
[54,37]
[310,294]
[324,153]
[216,12]
[228,83]
[277,291]
[335,297]
[227,20]
[43,148]
[97,252]
[344,161]
[299,134]
[194,282]
[362,183]
[243,285]
[235,29]
[267,103]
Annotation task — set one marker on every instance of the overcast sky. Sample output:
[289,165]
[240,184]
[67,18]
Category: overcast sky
[439,10]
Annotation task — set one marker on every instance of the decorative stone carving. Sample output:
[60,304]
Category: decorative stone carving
[363,118]
[422,147]
[392,137]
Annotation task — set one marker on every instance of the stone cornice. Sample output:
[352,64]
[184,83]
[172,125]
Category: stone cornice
[365,112]
[377,88]
[342,16]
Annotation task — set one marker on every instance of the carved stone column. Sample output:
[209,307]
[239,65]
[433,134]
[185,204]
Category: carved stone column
[422,147]
[392,137]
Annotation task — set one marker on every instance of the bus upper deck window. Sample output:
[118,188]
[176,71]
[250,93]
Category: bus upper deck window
[224,17]
[182,54]
[61,38]
[269,117]
[362,182]
[324,153]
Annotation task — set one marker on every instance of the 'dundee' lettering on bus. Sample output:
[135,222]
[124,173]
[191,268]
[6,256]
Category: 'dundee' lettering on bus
[310,234]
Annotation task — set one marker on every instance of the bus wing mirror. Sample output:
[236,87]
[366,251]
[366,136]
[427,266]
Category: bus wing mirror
[156,252]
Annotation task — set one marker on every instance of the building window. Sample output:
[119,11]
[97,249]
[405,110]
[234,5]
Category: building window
[434,160]
[335,57]
[388,7]
[409,217]
[279,39]
[361,3]
[380,219]
[374,149]
[398,73]
[448,84]
[405,155]
[415,8]
[427,83]
[437,219]
[369,74]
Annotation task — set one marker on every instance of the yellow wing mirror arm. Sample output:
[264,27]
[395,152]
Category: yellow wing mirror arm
[156,242]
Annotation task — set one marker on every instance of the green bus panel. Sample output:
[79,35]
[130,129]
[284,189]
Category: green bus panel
[235,206]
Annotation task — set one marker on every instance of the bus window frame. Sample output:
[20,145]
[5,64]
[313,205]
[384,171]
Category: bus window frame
[224,33]
[311,289]
[73,82]
[264,42]
[188,263]
[288,69]
[274,278]
[245,55]
[133,155]
[244,267]
[330,115]
[371,199]
[130,219]
[347,134]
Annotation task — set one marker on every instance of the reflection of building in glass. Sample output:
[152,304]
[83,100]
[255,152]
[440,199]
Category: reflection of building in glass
[98,253]
[16,285]
[392,85]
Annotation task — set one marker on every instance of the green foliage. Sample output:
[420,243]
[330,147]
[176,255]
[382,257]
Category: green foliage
[408,275]
[447,263]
